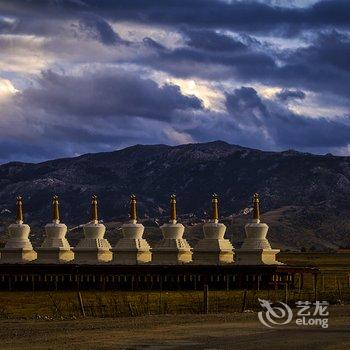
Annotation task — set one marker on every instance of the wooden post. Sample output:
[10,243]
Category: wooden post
[81,303]
[244,302]
[206,299]
[339,290]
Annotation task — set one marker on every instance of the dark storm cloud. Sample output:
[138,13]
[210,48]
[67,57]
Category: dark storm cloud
[107,93]
[243,56]
[212,41]
[98,28]
[285,128]
[220,42]
[287,94]
[248,16]
[65,115]
[330,49]
[321,66]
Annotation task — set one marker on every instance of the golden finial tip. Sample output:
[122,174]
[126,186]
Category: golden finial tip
[256,208]
[133,210]
[55,209]
[94,212]
[173,208]
[215,209]
[19,209]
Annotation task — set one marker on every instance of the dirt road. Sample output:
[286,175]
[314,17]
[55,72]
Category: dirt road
[230,331]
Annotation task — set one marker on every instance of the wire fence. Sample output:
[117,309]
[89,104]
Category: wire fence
[72,305]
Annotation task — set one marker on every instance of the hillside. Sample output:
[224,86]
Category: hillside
[305,197]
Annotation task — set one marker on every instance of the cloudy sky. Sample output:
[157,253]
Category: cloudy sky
[84,76]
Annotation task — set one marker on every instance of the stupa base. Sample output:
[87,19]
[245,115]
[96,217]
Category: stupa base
[167,257]
[210,251]
[212,257]
[92,256]
[17,256]
[131,257]
[54,255]
[257,257]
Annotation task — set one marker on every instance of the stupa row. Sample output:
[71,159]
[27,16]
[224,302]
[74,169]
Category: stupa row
[133,249]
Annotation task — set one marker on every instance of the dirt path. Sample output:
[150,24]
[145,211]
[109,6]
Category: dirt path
[231,331]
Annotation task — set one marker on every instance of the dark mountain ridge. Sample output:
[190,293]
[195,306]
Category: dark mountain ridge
[320,185]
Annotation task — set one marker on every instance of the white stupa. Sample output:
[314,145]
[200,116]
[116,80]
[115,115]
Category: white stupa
[173,248]
[132,248]
[256,249]
[18,248]
[213,249]
[55,248]
[93,248]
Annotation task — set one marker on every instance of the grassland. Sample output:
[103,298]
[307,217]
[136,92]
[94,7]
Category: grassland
[333,285]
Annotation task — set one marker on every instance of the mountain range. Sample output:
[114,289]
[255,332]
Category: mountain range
[304,197]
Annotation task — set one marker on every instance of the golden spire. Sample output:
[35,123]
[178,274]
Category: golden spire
[94,213]
[173,207]
[55,209]
[19,209]
[256,208]
[214,204]
[133,212]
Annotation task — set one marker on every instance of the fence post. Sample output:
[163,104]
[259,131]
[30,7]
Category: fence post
[206,299]
[81,303]
[244,302]
[339,290]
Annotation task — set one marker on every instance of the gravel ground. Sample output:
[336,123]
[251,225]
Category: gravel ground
[215,331]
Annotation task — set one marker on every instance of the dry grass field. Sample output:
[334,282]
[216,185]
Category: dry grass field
[174,319]
[333,285]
